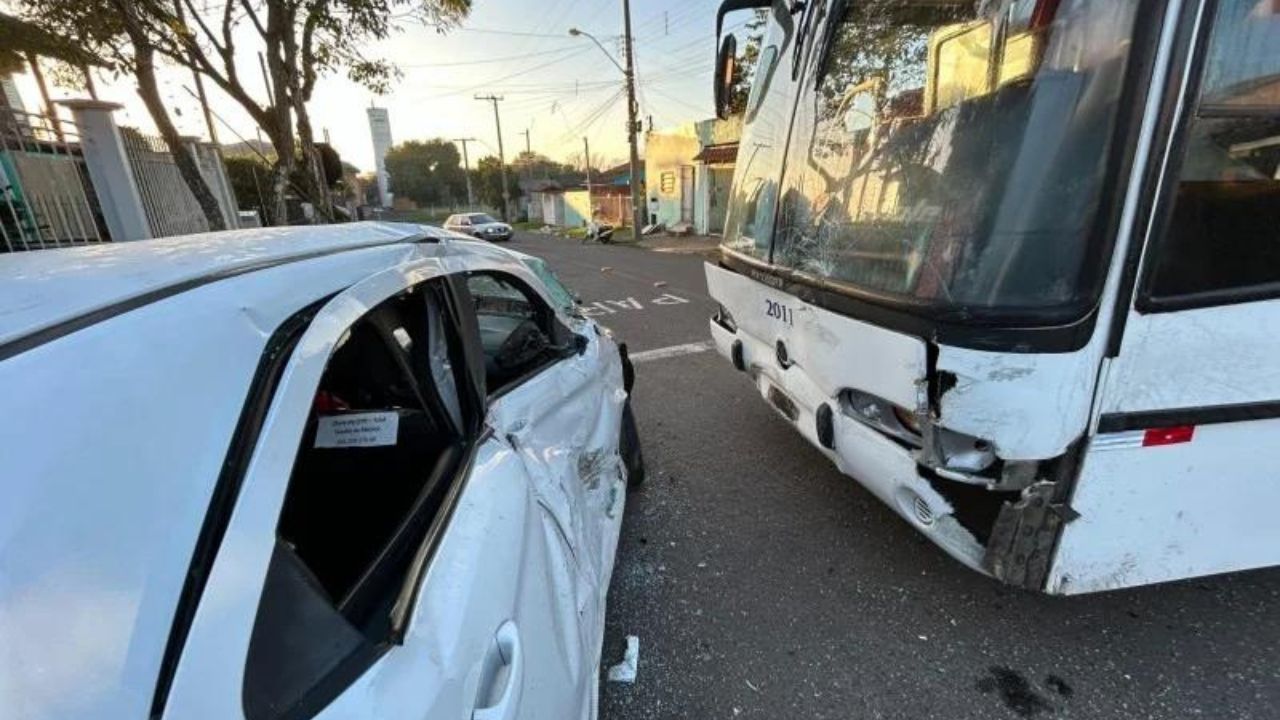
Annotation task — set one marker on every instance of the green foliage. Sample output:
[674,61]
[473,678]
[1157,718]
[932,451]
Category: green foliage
[540,167]
[429,173]
[488,182]
[250,181]
[330,164]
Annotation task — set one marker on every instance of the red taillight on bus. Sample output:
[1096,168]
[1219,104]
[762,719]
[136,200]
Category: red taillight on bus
[1168,436]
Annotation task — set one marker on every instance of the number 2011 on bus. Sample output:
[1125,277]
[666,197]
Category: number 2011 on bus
[778,311]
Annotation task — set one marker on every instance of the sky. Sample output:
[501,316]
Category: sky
[559,88]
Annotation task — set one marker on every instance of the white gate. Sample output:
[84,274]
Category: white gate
[46,199]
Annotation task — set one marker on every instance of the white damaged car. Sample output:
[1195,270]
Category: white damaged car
[333,472]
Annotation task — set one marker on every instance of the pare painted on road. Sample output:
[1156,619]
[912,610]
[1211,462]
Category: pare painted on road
[609,307]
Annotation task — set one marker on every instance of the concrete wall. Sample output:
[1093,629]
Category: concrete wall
[665,152]
[717,132]
[577,208]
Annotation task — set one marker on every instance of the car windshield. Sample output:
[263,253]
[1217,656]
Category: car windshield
[481,219]
[564,297]
[951,156]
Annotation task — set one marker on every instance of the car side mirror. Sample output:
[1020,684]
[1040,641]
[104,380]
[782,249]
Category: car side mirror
[522,347]
[726,63]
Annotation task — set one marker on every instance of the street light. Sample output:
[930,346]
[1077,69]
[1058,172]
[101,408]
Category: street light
[575,32]
[633,126]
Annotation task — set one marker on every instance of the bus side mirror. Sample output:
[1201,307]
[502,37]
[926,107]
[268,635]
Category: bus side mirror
[726,62]
[727,55]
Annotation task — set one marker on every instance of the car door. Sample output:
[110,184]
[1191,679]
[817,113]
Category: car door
[561,411]
[386,557]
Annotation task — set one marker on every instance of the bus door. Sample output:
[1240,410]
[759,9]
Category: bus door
[1181,478]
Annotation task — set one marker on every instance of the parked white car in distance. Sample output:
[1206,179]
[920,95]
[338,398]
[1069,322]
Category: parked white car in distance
[479,225]
[346,471]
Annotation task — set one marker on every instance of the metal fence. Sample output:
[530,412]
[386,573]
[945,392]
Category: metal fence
[46,198]
[612,208]
[170,206]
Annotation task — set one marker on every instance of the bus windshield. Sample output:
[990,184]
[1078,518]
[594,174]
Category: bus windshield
[952,156]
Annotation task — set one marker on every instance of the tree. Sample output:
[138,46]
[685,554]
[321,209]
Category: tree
[534,165]
[429,173]
[116,32]
[487,180]
[301,41]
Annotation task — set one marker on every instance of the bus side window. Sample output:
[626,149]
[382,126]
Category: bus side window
[1222,239]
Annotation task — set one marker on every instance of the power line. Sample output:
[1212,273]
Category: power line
[516,33]
[493,81]
[508,58]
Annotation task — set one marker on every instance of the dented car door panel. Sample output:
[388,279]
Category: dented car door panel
[563,424]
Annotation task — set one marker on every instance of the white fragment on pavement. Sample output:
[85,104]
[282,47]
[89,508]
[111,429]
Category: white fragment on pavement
[923,637]
[753,687]
[660,283]
[607,268]
[702,564]
[672,351]
[625,671]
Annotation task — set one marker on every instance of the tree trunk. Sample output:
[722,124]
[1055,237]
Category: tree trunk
[319,188]
[149,91]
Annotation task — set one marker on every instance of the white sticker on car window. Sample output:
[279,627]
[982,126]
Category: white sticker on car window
[372,429]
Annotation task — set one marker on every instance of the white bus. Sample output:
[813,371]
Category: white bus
[1014,265]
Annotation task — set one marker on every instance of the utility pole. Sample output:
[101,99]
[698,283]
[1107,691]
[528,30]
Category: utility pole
[466,167]
[528,157]
[502,162]
[586,161]
[633,125]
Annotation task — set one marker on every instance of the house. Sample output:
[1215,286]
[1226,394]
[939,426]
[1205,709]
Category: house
[691,167]
[542,200]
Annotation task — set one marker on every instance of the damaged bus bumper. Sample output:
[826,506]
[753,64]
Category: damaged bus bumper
[897,415]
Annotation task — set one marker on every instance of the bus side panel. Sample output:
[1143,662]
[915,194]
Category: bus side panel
[1165,512]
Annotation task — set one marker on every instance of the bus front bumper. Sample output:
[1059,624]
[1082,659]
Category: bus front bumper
[886,468]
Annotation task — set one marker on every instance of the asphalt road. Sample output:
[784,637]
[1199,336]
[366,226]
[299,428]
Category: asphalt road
[764,584]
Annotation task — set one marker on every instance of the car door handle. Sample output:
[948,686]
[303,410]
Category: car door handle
[501,676]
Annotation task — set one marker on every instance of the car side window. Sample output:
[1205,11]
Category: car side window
[517,329]
[382,447]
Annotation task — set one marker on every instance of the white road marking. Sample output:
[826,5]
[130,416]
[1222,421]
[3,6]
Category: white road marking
[672,351]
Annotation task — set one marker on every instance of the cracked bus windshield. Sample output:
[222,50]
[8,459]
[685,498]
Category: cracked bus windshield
[952,155]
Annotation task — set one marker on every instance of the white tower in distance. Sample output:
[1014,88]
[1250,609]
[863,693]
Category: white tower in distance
[380,129]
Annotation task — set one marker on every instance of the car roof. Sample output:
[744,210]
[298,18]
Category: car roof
[56,290]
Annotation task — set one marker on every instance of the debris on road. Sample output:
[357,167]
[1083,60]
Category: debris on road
[607,268]
[625,671]
[660,283]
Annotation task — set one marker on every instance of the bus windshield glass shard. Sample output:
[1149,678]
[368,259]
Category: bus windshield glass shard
[952,157]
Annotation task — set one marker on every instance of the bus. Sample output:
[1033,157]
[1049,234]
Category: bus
[1014,266]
